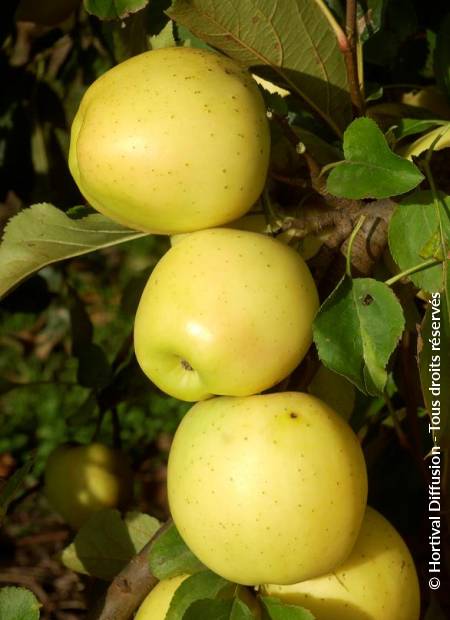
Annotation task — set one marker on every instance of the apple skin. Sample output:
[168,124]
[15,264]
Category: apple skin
[267,489]
[80,480]
[335,390]
[156,604]
[257,222]
[172,140]
[224,312]
[46,12]
[378,581]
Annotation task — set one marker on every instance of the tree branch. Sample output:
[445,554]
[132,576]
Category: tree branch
[348,49]
[129,588]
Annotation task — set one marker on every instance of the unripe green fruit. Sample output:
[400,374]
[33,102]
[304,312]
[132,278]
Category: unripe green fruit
[267,489]
[156,604]
[172,140]
[224,312]
[335,390]
[378,581]
[80,480]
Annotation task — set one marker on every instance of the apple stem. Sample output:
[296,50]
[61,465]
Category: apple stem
[185,364]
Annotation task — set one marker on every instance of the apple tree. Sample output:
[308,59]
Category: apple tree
[225,313]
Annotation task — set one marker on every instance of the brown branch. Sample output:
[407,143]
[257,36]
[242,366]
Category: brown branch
[347,46]
[337,224]
[129,588]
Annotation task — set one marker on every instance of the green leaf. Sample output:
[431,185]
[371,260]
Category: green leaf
[370,15]
[207,609]
[169,556]
[203,585]
[18,604]
[82,329]
[433,247]
[413,226]
[442,56]
[106,543]
[42,234]
[438,138]
[12,487]
[240,611]
[190,40]
[361,348]
[94,369]
[410,126]
[296,40]
[277,610]
[114,9]
[370,168]
[434,357]
[164,38]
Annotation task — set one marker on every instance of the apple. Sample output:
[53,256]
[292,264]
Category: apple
[45,12]
[79,480]
[267,489]
[172,140]
[335,390]
[378,581]
[156,604]
[430,98]
[224,312]
[257,222]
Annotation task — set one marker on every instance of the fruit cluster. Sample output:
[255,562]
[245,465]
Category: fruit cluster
[269,489]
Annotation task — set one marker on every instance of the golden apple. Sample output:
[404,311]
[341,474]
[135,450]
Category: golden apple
[172,140]
[257,222]
[378,581]
[79,480]
[267,489]
[429,97]
[156,604]
[224,312]
[335,390]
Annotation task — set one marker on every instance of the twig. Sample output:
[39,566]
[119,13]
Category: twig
[129,588]
[348,260]
[403,439]
[399,276]
[348,48]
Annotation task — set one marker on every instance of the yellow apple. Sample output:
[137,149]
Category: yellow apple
[156,604]
[335,390]
[224,312]
[80,480]
[429,97]
[257,222]
[267,489]
[46,12]
[172,140]
[378,581]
